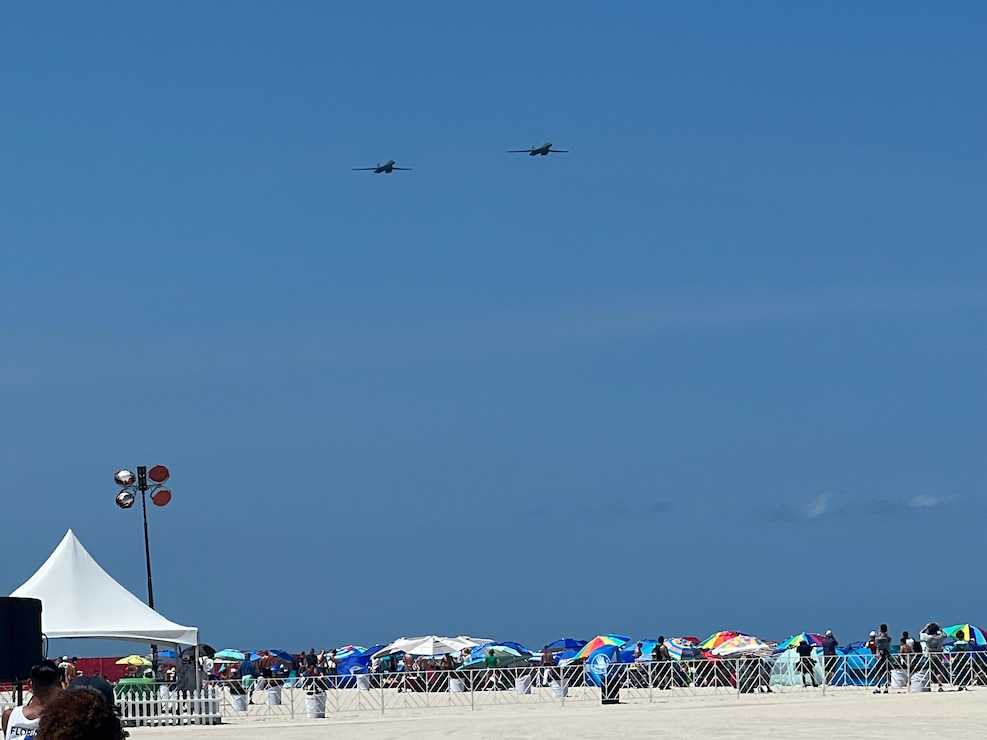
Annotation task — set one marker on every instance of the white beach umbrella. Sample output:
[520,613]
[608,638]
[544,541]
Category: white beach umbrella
[429,645]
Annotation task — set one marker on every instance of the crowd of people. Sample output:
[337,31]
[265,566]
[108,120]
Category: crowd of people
[64,706]
[953,664]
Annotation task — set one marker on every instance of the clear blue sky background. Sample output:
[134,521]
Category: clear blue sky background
[721,366]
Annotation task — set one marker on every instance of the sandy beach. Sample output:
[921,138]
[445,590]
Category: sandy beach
[838,714]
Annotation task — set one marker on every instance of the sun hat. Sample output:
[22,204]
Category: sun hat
[873,633]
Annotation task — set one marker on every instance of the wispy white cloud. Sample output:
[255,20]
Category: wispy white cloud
[818,506]
[924,502]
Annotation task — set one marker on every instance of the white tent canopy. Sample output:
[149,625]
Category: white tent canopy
[80,599]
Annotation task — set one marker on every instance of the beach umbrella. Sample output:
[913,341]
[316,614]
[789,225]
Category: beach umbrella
[742,645]
[472,641]
[229,654]
[515,646]
[973,634]
[600,641]
[501,650]
[428,645]
[503,661]
[348,651]
[566,643]
[507,656]
[682,648]
[373,649]
[810,637]
[716,639]
[137,661]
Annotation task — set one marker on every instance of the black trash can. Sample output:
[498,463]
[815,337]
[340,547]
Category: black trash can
[610,686]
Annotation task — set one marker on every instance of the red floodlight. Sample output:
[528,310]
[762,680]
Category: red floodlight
[158,474]
[161,497]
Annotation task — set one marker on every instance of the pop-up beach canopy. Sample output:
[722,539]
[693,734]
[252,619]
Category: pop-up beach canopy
[80,599]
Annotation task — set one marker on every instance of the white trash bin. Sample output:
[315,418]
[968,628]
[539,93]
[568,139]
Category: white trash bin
[238,702]
[315,705]
[899,678]
[456,686]
[559,689]
[362,682]
[522,683]
[273,696]
[921,681]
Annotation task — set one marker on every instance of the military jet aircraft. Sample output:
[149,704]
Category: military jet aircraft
[386,168]
[543,150]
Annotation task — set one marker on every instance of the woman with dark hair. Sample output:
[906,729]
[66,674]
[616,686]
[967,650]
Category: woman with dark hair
[80,715]
[46,684]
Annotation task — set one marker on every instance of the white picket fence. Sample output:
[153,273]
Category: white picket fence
[169,707]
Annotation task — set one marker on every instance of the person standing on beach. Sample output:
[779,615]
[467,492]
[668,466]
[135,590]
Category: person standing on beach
[547,662]
[46,685]
[807,664]
[932,641]
[829,644]
[882,644]
[490,661]
[958,661]
[248,672]
[663,663]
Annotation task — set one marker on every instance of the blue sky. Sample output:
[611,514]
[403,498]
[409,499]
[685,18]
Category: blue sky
[720,366]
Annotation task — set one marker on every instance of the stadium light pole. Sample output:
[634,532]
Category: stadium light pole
[130,485]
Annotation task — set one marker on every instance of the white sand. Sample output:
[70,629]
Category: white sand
[839,714]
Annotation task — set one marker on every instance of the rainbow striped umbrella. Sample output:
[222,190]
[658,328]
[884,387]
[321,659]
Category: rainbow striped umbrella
[973,634]
[717,638]
[742,645]
[600,641]
[810,637]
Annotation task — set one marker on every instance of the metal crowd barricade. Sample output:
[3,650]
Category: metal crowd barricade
[650,682]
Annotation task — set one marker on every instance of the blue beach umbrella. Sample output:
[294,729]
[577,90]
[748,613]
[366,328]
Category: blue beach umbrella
[566,643]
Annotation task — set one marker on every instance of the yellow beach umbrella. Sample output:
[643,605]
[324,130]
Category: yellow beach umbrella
[138,661]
